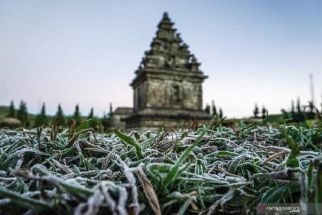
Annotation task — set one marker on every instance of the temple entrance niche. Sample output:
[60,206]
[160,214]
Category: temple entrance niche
[176,95]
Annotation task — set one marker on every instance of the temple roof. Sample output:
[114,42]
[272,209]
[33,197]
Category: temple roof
[123,110]
[168,51]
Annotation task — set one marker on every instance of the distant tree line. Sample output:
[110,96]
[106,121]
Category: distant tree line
[257,113]
[213,110]
[42,119]
[300,113]
[297,112]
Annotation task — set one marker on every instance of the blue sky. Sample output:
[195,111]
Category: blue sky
[86,52]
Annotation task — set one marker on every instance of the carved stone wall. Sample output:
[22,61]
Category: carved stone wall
[174,94]
[140,96]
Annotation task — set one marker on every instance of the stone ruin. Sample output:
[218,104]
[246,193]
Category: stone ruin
[168,84]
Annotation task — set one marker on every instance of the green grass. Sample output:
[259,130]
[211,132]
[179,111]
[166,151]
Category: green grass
[209,171]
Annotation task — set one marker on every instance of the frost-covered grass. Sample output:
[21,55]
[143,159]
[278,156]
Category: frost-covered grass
[212,170]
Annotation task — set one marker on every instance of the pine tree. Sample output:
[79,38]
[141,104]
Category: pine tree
[299,115]
[41,118]
[22,114]
[207,109]
[77,115]
[256,111]
[213,108]
[60,118]
[106,122]
[321,104]
[111,110]
[20,111]
[220,114]
[44,118]
[91,114]
[43,110]
[310,114]
[293,108]
[12,111]
[264,112]
[298,106]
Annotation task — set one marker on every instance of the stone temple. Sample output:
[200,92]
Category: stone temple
[168,84]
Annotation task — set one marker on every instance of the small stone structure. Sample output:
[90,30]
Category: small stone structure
[10,122]
[168,84]
[118,115]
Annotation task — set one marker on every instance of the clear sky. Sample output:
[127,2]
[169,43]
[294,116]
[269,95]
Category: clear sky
[85,52]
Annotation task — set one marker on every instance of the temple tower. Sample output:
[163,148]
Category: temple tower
[168,83]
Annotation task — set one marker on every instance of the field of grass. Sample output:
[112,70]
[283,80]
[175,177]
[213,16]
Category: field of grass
[214,170]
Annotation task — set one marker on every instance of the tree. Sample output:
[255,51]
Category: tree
[293,114]
[264,112]
[22,114]
[285,114]
[299,115]
[207,109]
[298,106]
[12,111]
[213,108]
[41,118]
[77,115]
[60,118]
[321,104]
[256,111]
[111,110]
[310,114]
[221,114]
[91,114]
[106,121]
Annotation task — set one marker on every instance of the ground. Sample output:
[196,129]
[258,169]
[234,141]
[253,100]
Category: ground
[214,169]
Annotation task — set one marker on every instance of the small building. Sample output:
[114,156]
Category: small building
[118,116]
[10,122]
[168,84]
